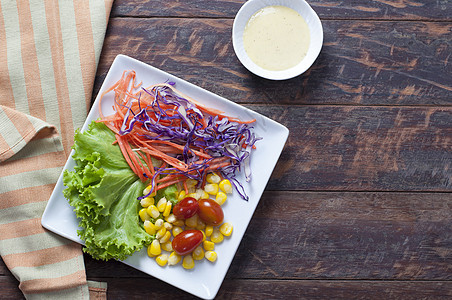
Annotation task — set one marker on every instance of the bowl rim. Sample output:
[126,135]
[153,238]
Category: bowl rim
[305,10]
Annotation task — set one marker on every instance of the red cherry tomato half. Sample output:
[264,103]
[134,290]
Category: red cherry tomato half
[186,241]
[186,208]
[210,212]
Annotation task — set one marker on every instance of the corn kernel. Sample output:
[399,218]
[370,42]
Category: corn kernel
[209,230]
[160,233]
[225,186]
[144,215]
[167,210]
[198,253]
[145,202]
[167,246]
[162,259]
[211,256]
[149,251]
[213,178]
[220,198]
[168,226]
[200,225]
[194,195]
[149,227]
[153,211]
[161,205]
[203,236]
[147,190]
[192,221]
[181,195]
[171,219]
[177,230]
[208,245]
[174,259]
[165,238]
[211,188]
[202,194]
[158,224]
[155,248]
[226,229]
[217,236]
[179,223]
[188,262]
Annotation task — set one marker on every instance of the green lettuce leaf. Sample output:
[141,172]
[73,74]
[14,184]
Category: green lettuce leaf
[103,191]
[170,193]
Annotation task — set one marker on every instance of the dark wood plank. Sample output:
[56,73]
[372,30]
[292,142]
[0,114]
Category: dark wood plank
[401,236]
[189,8]
[139,288]
[362,62]
[289,289]
[9,286]
[359,9]
[307,235]
[363,148]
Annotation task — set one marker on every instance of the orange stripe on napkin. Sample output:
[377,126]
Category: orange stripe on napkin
[44,256]
[59,69]
[53,284]
[20,229]
[25,196]
[43,161]
[30,61]
[85,47]
[108,4]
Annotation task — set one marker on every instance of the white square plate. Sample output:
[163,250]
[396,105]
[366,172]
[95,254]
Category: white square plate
[205,279]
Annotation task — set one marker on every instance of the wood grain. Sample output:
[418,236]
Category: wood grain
[403,236]
[290,289]
[363,148]
[361,63]
[9,286]
[359,9]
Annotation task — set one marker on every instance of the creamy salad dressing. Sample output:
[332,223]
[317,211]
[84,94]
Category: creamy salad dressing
[276,38]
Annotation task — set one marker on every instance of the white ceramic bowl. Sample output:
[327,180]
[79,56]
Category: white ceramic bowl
[308,14]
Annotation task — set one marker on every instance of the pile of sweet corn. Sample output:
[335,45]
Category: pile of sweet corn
[159,221]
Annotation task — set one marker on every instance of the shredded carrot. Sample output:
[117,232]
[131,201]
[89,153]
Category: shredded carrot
[168,183]
[185,187]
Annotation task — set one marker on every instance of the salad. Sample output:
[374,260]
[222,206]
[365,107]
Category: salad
[159,144]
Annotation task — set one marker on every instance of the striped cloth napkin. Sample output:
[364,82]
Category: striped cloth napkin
[49,51]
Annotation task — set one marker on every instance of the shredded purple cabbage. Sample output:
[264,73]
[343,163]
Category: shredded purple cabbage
[220,138]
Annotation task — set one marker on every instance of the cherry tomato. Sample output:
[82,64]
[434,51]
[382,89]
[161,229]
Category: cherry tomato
[186,208]
[186,241]
[210,212]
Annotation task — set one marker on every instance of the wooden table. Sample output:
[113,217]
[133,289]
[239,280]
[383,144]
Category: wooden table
[360,203]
